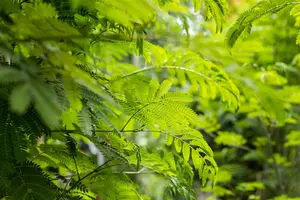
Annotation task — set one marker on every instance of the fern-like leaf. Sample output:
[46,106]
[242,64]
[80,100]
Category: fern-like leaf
[260,10]
[30,182]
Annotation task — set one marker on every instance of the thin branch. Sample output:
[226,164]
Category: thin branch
[70,179]
[122,130]
[176,68]
[76,167]
[99,131]
[87,175]
[105,38]
[135,173]
[56,38]
[162,67]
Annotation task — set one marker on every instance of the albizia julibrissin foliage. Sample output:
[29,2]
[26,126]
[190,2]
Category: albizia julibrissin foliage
[67,81]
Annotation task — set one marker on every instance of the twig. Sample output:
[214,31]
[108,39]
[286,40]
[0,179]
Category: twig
[76,167]
[87,175]
[133,116]
[97,131]
[175,68]
[134,173]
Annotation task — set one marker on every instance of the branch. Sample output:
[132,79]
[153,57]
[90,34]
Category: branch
[60,37]
[135,173]
[162,67]
[104,38]
[97,131]
[176,68]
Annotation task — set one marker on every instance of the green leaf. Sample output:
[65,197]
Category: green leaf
[195,158]
[44,102]
[293,139]
[230,139]
[164,88]
[156,134]
[69,118]
[178,145]
[20,98]
[244,23]
[73,94]
[153,87]
[197,5]
[8,75]
[250,186]
[36,185]
[205,175]
[200,167]
[85,120]
[186,152]
[169,139]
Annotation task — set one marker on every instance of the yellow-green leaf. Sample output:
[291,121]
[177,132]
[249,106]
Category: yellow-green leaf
[200,166]
[169,140]
[153,87]
[178,145]
[69,118]
[197,5]
[195,158]
[164,88]
[205,175]
[156,134]
[186,152]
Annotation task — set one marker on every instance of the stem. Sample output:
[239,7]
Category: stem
[76,167]
[104,38]
[97,131]
[135,173]
[178,68]
[162,67]
[136,112]
[87,175]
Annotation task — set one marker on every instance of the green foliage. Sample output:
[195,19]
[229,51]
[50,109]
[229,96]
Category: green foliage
[293,139]
[142,100]
[261,10]
[284,197]
[250,186]
[29,182]
[230,139]
[67,82]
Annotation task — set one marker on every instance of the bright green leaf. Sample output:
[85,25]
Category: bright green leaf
[186,152]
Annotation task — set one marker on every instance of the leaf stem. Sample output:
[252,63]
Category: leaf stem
[176,68]
[76,167]
[136,112]
[87,175]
